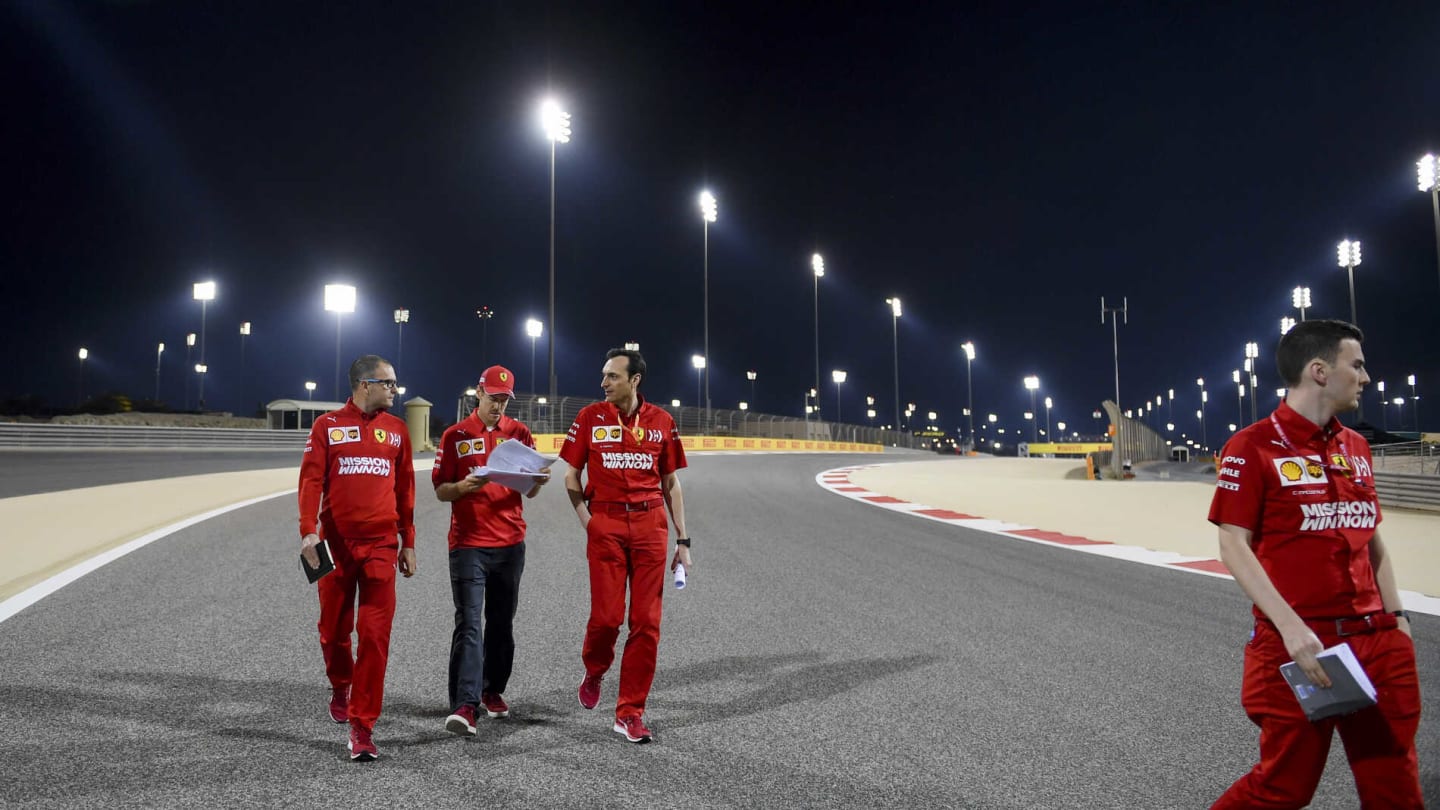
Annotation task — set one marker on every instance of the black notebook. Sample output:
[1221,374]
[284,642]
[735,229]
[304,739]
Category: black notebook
[1350,688]
[327,562]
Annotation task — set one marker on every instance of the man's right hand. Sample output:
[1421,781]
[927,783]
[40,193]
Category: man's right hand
[1303,645]
[307,549]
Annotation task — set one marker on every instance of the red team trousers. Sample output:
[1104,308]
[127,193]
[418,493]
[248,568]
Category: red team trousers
[1379,741]
[363,568]
[625,545]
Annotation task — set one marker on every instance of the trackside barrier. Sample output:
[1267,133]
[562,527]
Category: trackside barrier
[551,443]
[1408,491]
[81,437]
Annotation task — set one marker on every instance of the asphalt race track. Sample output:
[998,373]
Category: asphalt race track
[825,654]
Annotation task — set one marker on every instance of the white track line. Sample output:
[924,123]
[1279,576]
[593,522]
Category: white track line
[838,482]
[35,593]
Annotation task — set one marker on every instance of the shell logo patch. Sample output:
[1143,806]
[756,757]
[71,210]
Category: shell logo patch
[344,435]
[463,448]
[1296,471]
[470,448]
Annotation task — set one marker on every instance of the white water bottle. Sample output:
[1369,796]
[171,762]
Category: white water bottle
[679,575]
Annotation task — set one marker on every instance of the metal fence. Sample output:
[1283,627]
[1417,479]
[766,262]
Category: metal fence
[692,421]
[46,436]
[1416,458]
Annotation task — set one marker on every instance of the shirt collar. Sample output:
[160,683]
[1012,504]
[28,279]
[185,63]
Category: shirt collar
[480,423]
[640,406]
[355,410]
[1303,429]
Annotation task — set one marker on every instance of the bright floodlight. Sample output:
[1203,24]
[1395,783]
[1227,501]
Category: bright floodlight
[992,418]
[402,316]
[838,376]
[1032,382]
[1049,404]
[555,120]
[697,360]
[84,352]
[1348,252]
[339,298]
[1380,386]
[932,415]
[204,291]
[1410,381]
[161,350]
[1286,324]
[750,375]
[744,406]
[969,348]
[1427,172]
[1200,381]
[1235,375]
[1300,297]
[818,263]
[674,403]
[309,386]
[894,306]
[245,328]
[190,339]
[1397,401]
[708,209]
[1252,350]
[534,328]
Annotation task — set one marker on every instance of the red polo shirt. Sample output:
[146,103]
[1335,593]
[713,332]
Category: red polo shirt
[1308,495]
[491,516]
[624,456]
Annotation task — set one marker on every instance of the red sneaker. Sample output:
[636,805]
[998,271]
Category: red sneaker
[362,748]
[494,705]
[340,704]
[462,721]
[633,727]
[590,691]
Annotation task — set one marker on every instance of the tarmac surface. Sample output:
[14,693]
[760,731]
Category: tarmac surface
[827,653]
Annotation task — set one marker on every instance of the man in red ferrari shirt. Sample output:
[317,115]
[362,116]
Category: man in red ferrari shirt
[357,481]
[630,451]
[487,552]
[1295,503]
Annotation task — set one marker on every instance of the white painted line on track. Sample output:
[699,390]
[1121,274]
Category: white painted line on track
[838,482]
[39,591]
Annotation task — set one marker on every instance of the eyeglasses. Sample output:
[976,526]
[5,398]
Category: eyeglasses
[391,384]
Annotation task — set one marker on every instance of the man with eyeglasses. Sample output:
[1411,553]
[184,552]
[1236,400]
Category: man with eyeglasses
[1298,517]
[487,552]
[357,492]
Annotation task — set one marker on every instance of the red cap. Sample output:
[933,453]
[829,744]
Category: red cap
[497,380]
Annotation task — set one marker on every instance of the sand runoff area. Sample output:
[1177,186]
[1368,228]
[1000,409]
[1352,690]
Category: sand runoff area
[1053,494]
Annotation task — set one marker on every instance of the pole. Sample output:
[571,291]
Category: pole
[158,352]
[817,334]
[1435,206]
[337,355]
[532,362]
[970,401]
[203,302]
[400,350]
[1115,342]
[837,403]
[895,342]
[551,341]
[706,295]
[1034,419]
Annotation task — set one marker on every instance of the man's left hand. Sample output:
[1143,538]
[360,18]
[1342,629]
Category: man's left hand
[682,556]
[407,562]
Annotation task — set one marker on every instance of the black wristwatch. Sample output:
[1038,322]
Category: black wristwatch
[682,541]
[1401,614]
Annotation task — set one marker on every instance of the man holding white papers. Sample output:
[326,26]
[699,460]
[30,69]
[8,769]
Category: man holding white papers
[1295,503]
[487,547]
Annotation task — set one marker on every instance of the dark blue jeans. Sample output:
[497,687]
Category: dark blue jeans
[483,580]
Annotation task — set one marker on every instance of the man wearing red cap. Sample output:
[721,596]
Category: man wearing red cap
[487,552]
[631,451]
[358,480]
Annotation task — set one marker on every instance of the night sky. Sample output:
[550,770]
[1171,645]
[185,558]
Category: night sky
[998,167]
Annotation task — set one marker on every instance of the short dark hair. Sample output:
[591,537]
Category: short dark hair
[1308,340]
[637,362]
[364,368]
